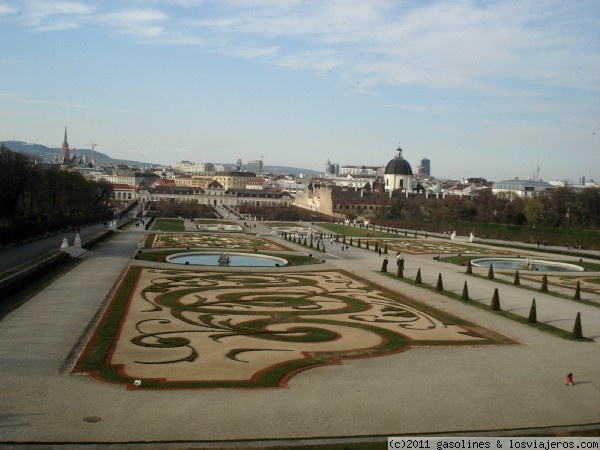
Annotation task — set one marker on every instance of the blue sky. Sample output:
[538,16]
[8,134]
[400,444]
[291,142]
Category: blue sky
[481,88]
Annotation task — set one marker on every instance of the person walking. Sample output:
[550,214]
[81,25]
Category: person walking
[570,379]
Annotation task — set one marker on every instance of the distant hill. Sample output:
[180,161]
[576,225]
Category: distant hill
[49,154]
[290,170]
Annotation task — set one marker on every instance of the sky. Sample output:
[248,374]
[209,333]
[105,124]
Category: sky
[492,89]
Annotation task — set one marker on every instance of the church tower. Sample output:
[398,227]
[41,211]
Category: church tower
[65,156]
[398,174]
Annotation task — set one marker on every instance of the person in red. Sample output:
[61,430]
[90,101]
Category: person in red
[570,380]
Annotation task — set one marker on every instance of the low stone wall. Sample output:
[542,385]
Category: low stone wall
[25,277]
[19,280]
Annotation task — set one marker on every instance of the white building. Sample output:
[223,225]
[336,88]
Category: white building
[520,188]
[359,170]
[190,167]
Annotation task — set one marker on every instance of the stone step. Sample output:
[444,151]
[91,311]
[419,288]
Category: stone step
[75,252]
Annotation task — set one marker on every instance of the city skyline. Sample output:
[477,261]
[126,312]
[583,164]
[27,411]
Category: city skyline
[490,89]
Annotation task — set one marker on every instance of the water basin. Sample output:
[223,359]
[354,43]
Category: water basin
[235,259]
[526,264]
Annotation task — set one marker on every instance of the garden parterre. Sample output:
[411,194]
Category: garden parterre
[192,329]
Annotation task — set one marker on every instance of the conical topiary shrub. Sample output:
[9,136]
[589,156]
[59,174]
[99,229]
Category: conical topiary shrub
[440,283]
[385,251]
[495,306]
[465,292]
[367,245]
[532,313]
[418,277]
[491,272]
[358,244]
[351,244]
[376,246]
[577,295]
[544,287]
[469,267]
[517,280]
[577,331]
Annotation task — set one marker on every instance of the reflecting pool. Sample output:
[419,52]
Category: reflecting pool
[526,264]
[226,259]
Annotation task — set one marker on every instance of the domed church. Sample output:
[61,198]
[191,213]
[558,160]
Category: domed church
[398,174]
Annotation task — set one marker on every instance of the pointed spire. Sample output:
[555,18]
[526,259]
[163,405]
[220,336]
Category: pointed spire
[65,141]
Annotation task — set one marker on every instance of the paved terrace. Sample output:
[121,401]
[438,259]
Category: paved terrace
[481,390]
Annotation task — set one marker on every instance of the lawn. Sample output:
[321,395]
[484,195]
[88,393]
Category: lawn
[345,230]
[168,225]
[174,328]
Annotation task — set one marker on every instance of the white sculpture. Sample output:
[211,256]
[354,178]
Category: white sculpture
[471,237]
[529,264]
[77,242]
[65,245]
[453,235]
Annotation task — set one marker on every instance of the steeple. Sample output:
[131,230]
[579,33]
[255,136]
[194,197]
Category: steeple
[65,154]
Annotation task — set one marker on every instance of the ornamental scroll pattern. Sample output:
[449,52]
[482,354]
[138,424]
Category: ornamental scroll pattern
[195,240]
[217,329]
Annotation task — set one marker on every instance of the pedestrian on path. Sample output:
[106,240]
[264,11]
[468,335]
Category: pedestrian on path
[570,379]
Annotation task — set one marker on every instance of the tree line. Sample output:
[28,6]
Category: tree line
[560,216]
[36,198]
[560,207]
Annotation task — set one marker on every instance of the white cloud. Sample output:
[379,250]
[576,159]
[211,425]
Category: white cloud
[482,46]
[139,22]
[50,15]
[461,44]
[6,9]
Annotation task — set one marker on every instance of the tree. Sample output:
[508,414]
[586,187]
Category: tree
[15,174]
[105,191]
[533,210]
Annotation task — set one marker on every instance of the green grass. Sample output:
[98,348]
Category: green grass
[345,230]
[549,292]
[94,359]
[168,225]
[508,315]
[461,260]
